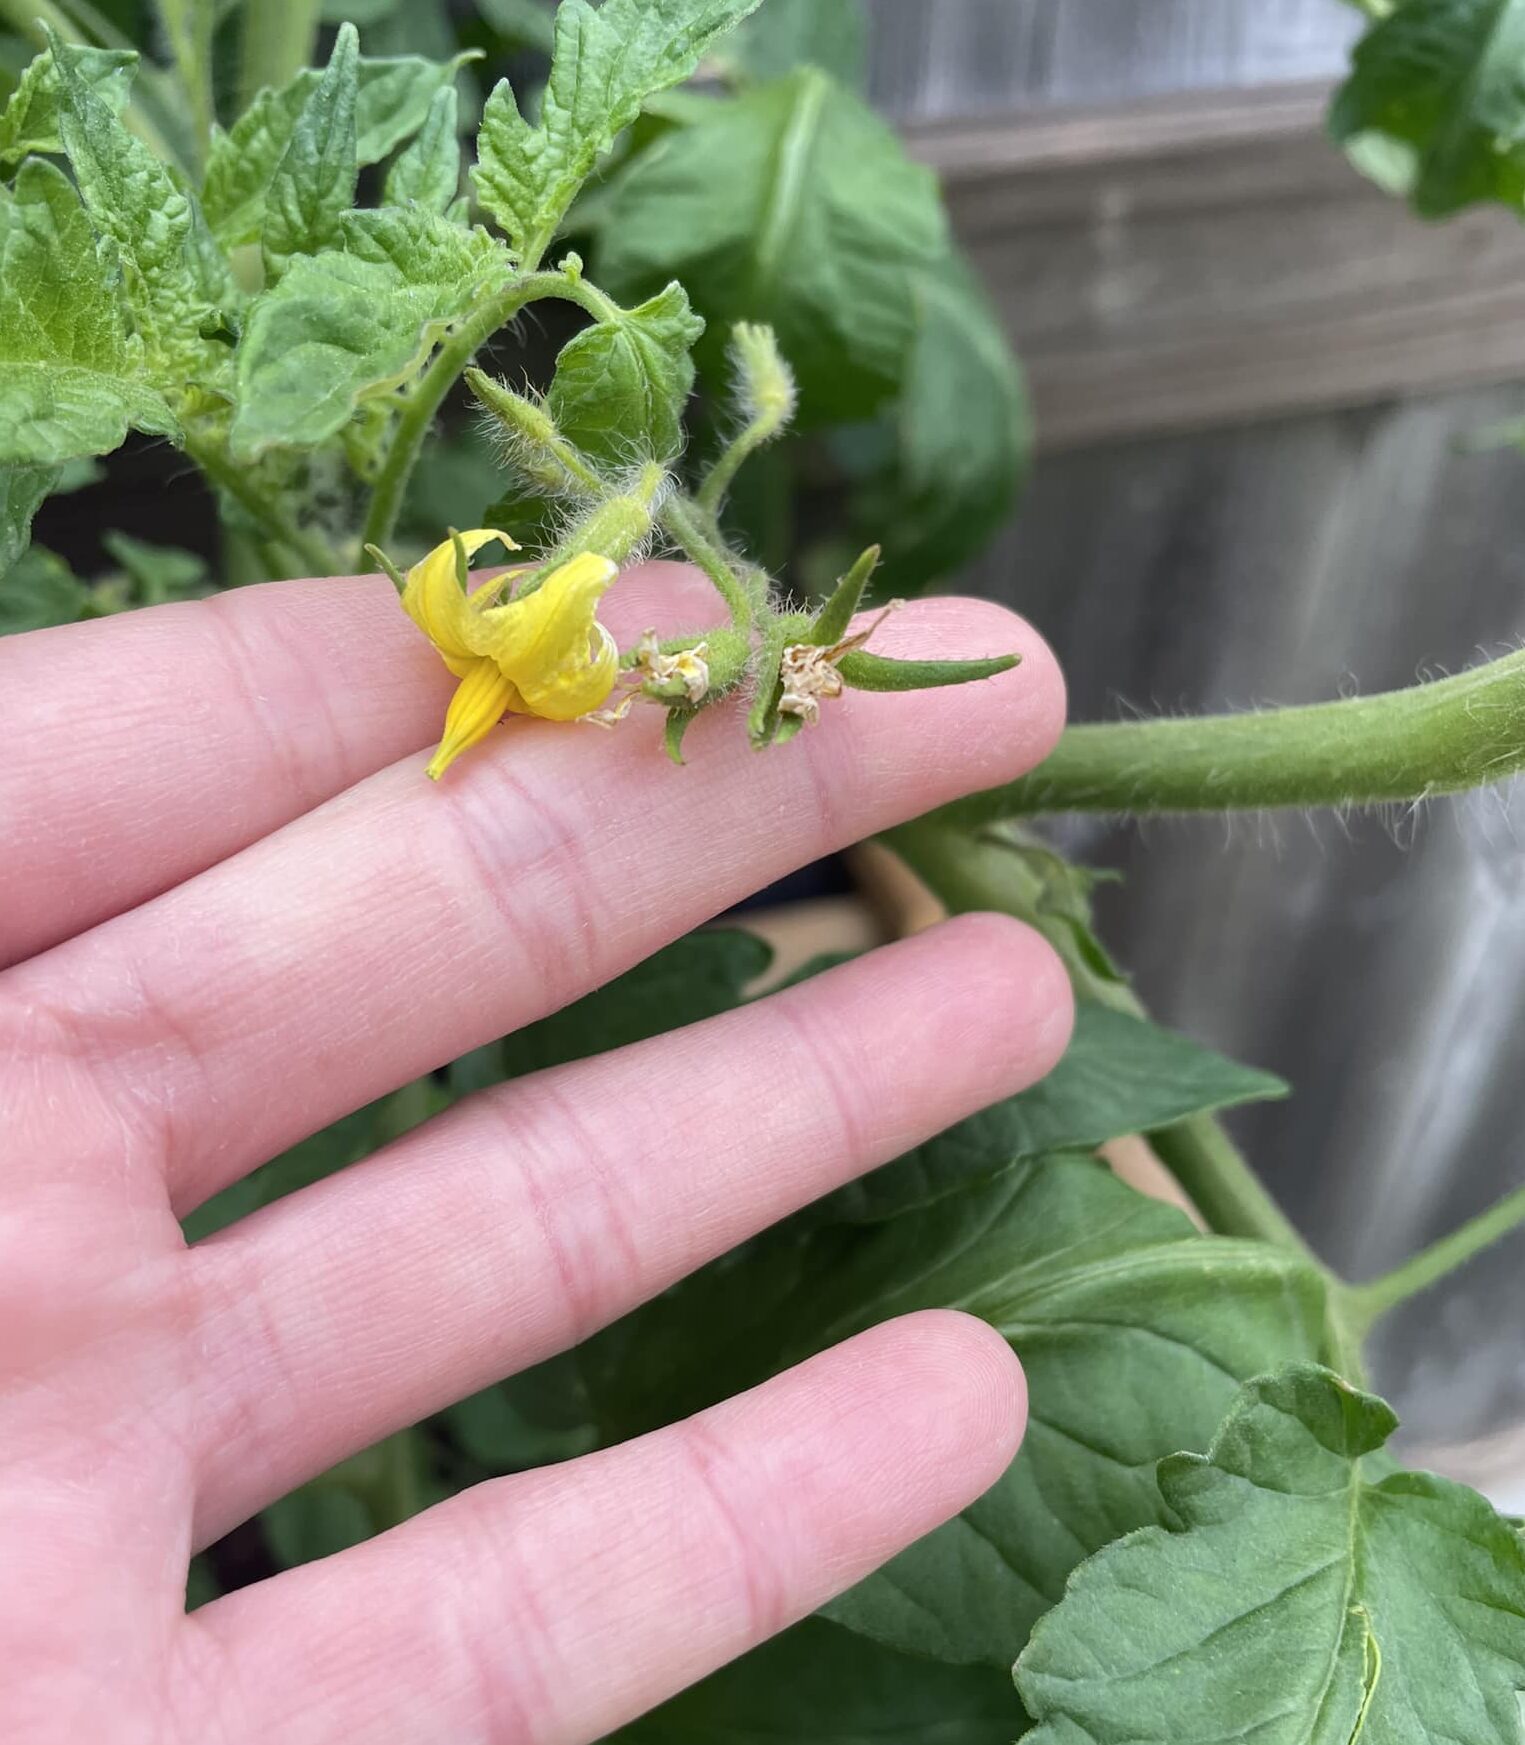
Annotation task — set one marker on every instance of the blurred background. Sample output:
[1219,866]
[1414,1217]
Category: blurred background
[1259,388]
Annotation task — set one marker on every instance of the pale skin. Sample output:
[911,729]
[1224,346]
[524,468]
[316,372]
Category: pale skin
[231,909]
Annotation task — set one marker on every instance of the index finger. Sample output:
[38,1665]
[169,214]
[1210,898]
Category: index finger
[142,749]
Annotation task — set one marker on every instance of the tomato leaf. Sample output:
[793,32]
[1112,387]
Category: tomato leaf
[354,322]
[29,121]
[608,60]
[621,386]
[1119,1075]
[71,376]
[1443,83]
[825,1685]
[314,183]
[392,102]
[428,172]
[1298,1590]
[819,226]
[172,278]
[1135,1332]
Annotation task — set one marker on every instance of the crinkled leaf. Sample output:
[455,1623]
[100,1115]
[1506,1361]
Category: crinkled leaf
[820,225]
[621,386]
[392,101]
[1134,1330]
[29,121]
[154,223]
[608,60]
[962,437]
[354,322]
[785,34]
[825,1686]
[1119,1075]
[1443,81]
[428,172]
[23,491]
[1296,1591]
[71,379]
[40,590]
[314,183]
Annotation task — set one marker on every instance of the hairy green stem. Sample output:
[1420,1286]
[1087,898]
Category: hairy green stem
[278,41]
[1396,748]
[969,875]
[450,361]
[1366,1304]
[686,526]
[315,553]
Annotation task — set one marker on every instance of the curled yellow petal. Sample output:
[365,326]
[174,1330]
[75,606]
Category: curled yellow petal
[481,700]
[562,661]
[437,604]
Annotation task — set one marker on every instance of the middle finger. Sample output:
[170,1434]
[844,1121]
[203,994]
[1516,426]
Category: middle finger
[402,924]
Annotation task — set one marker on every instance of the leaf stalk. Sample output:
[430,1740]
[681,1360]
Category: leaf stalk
[1366,1304]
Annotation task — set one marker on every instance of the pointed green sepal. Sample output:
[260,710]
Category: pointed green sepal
[874,672]
[834,618]
[762,719]
[677,725]
[462,562]
[388,568]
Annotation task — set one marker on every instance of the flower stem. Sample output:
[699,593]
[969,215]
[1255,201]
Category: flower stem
[315,553]
[680,520]
[1366,1304]
[1399,747]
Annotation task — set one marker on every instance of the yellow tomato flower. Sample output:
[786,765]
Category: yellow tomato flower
[545,654]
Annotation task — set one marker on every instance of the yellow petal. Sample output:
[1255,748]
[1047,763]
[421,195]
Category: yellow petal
[479,704]
[562,661]
[434,600]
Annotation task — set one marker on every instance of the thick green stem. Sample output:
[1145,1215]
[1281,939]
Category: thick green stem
[278,41]
[1219,1182]
[1366,1304]
[685,525]
[1397,748]
[967,875]
[316,555]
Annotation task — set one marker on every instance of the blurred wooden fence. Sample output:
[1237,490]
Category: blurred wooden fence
[1257,382]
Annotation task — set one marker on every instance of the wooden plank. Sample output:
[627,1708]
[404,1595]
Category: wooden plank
[932,59]
[1213,259]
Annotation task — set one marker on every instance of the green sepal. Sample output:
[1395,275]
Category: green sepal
[832,621]
[762,718]
[462,562]
[388,568]
[672,735]
[862,671]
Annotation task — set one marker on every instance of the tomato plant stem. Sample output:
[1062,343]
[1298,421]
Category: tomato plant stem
[684,525]
[1366,1304]
[315,553]
[278,41]
[1400,747]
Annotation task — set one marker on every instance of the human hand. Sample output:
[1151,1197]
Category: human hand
[231,914]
